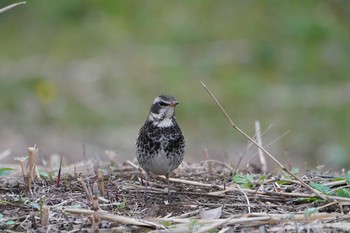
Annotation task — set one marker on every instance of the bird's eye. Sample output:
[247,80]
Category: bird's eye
[161,103]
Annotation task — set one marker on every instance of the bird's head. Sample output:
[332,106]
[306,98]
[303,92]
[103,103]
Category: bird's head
[162,112]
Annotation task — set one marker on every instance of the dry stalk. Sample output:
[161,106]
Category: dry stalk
[87,191]
[32,154]
[206,154]
[328,204]
[22,161]
[261,153]
[298,217]
[45,216]
[336,183]
[132,164]
[95,191]
[206,221]
[9,7]
[162,191]
[175,179]
[280,194]
[318,193]
[94,218]
[261,218]
[190,182]
[115,218]
[29,183]
[222,192]
[188,214]
[101,182]
[246,198]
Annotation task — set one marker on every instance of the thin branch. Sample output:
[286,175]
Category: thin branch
[9,7]
[263,218]
[246,198]
[318,193]
[114,218]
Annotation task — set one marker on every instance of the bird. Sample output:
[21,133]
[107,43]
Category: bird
[160,144]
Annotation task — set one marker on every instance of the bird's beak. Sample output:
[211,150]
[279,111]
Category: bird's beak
[173,103]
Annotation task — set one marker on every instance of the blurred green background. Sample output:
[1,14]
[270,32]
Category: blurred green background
[85,72]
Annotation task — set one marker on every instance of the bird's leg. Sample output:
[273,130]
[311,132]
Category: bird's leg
[146,186]
[169,194]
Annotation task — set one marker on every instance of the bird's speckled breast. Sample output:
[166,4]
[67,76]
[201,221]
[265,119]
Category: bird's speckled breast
[160,150]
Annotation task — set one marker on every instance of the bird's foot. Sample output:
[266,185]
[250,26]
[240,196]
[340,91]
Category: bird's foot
[145,196]
[169,197]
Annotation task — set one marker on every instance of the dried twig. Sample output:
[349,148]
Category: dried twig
[101,182]
[206,154]
[178,180]
[86,189]
[94,218]
[246,198]
[261,218]
[132,164]
[261,153]
[115,218]
[22,161]
[9,7]
[188,214]
[318,193]
[328,204]
[191,182]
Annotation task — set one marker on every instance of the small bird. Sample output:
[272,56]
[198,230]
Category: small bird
[160,144]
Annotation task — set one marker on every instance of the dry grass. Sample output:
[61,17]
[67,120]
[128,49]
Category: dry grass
[275,203]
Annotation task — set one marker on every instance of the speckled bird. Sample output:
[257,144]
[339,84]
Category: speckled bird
[160,144]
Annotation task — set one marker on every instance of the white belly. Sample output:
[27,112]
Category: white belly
[160,164]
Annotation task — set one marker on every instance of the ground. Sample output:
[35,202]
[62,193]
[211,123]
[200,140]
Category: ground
[243,202]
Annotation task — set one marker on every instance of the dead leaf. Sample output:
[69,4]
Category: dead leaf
[210,214]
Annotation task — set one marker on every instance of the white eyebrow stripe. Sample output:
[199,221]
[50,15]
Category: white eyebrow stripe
[157,100]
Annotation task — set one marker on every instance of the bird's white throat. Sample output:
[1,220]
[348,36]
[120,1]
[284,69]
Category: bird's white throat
[155,119]
[167,122]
